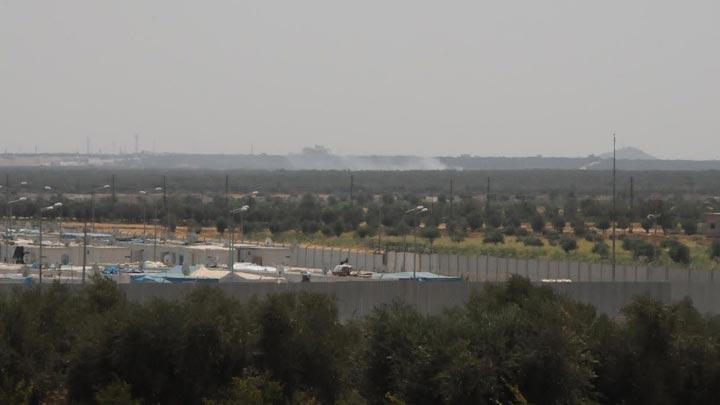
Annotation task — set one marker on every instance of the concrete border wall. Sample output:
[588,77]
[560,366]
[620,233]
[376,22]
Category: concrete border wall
[489,268]
[357,299]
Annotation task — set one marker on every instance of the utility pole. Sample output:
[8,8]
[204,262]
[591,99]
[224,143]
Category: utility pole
[84,262]
[6,234]
[112,185]
[92,208]
[231,243]
[452,200]
[614,210]
[164,190]
[155,235]
[40,241]
[227,189]
[352,184]
[632,195]
[165,210]
[379,229]
[487,197]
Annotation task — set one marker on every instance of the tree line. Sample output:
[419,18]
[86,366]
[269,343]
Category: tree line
[512,343]
[78,180]
[312,211]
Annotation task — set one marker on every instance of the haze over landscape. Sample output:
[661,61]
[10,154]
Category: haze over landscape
[368,78]
[359,203]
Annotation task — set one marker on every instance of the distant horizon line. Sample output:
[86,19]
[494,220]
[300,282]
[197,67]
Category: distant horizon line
[148,153]
[259,154]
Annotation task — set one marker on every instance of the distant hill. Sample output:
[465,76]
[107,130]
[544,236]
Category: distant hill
[319,158]
[629,153]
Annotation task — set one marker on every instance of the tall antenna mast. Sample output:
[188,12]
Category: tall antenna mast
[614,212]
[137,143]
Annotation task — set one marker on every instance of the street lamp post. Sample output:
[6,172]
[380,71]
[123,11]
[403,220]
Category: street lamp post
[85,227]
[92,202]
[416,254]
[155,236]
[231,238]
[84,259]
[144,215]
[415,211]
[40,238]
[380,227]
[9,225]
[156,191]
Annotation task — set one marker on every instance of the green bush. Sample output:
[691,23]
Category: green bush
[532,241]
[537,222]
[678,251]
[601,249]
[603,224]
[568,244]
[430,233]
[689,226]
[579,228]
[522,232]
[552,237]
[493,236]
[363,232]
[715,249]
[593,236]
[641,249]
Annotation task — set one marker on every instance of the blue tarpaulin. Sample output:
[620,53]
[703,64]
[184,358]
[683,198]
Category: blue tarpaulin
[148,278]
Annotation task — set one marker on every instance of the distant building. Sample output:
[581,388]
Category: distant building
[712,224]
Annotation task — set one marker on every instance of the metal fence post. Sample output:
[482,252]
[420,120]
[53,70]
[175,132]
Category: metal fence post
[578,271]
[467,266]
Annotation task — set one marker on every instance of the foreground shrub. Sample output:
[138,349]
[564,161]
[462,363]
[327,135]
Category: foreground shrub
[510,343]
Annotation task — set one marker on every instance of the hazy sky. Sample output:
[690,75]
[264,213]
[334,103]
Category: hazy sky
[510,78]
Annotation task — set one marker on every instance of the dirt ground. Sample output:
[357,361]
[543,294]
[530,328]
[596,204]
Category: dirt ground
[137,229]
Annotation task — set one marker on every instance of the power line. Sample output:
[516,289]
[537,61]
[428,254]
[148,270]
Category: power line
[614,209]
